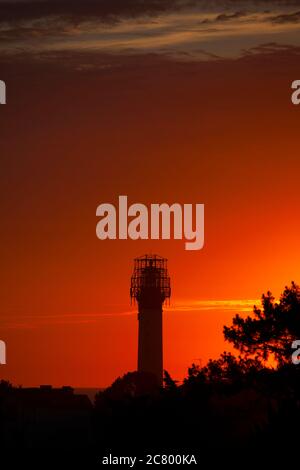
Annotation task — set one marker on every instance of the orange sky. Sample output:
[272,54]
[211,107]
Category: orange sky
[223,133]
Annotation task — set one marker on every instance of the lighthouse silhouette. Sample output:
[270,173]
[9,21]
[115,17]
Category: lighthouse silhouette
[150,288]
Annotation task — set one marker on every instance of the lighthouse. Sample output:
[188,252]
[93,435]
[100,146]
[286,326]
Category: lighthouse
[150,288]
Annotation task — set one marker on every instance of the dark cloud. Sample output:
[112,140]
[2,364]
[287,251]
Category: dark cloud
[105,9]
[287,18]
[113,10]
[44,18]
[223,17]
[108,9]
[231,16]
[272,48]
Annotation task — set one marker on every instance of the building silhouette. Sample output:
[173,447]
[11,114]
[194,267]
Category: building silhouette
[44,416]
[150,287]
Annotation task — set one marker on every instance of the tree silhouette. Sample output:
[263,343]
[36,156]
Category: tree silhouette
[170,384]
[269,333]
[226,369]
[128,387]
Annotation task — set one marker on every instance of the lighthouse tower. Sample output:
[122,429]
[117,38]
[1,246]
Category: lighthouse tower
[150,287]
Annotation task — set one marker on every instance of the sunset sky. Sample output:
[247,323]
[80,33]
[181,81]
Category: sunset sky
[163,101]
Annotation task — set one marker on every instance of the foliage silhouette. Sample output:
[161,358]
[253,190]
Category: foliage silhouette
[270,333]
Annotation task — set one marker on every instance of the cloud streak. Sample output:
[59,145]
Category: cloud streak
[238,305]
[27,321]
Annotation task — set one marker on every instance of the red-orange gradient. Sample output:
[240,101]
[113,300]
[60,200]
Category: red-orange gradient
[224,134]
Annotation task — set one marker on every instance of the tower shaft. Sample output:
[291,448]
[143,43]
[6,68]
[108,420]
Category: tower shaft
[150,343]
